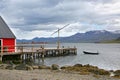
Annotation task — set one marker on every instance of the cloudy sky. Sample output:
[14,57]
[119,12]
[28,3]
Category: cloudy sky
[40,18]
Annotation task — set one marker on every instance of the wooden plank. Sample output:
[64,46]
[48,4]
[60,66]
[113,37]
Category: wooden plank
[40,51]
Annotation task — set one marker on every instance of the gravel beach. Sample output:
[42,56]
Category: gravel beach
[47,74]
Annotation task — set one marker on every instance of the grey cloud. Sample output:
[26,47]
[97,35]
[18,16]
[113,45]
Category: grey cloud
[31,15]
[100,1]
[37,27]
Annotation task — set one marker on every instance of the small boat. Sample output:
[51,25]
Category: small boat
[92,53]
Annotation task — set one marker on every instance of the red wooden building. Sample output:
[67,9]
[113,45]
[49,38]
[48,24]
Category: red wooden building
[7,38]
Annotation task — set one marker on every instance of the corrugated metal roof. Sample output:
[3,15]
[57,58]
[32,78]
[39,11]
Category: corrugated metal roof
[5,31]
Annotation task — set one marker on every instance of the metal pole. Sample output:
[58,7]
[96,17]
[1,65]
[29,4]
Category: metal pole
[58,39]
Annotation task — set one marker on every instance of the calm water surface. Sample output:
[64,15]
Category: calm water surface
[109,57]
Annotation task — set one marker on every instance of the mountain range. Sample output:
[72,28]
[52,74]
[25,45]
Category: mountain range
[89,36]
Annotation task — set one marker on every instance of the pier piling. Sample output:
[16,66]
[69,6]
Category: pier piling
[36,53]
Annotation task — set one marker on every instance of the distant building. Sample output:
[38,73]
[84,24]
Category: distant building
[7,38]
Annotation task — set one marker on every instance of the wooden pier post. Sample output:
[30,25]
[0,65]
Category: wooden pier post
[1,53]
[43,52]
[38,57]
[32,54]
[23,58]
[1,57]
[75,51]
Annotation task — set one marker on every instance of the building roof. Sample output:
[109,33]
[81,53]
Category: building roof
[5,31]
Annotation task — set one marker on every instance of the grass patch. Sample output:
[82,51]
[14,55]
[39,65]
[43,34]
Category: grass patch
[1,62]
[117,74]
[96,76]
[84,73]
[86,69]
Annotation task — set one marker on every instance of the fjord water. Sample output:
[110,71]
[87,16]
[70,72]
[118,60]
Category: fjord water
[109,57]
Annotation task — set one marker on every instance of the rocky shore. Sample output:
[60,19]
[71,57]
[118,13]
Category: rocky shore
[54,72]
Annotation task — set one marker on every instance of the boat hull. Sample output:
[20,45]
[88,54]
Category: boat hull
[92,53]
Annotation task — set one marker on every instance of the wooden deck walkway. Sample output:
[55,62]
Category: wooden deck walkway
[35,53]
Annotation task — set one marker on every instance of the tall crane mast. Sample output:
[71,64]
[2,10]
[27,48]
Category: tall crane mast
[58,31]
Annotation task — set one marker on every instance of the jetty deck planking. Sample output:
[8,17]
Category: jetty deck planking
[40,53]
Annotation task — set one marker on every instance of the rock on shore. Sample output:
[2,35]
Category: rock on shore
[43,72]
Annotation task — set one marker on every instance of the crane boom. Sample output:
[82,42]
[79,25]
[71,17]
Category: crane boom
[59,29]
[64,27]
[59,34]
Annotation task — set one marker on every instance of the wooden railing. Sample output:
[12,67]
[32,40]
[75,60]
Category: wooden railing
[5,49]
[23,48]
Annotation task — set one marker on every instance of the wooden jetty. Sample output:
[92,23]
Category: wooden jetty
[31,53]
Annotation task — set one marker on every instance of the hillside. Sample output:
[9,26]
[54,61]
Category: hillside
[90,36]
[118,39]
[113,41]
